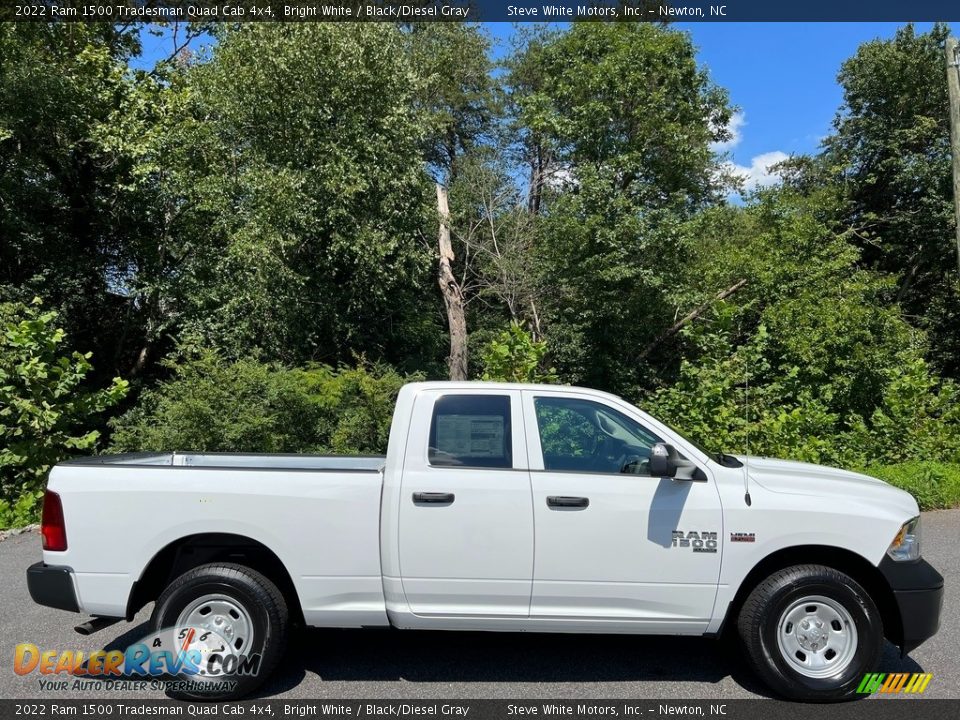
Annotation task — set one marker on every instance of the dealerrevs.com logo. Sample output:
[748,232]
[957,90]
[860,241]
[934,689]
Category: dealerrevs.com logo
[198,657]
[894,683]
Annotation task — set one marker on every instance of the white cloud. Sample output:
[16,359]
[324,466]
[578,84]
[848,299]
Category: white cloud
[758,173]
[737,121]
[559,177]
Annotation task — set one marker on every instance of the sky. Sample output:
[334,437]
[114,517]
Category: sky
[780,76]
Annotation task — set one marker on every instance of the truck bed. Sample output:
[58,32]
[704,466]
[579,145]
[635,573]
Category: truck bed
[319,515]
[241,461]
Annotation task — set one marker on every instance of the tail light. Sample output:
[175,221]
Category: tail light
[52,527]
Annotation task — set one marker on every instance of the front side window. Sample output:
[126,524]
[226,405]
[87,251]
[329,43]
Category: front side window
[471,431]
[585,436]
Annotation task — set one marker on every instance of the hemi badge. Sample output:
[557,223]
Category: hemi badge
[742,537]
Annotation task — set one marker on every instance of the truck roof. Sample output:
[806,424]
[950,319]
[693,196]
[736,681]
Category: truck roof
[476,384]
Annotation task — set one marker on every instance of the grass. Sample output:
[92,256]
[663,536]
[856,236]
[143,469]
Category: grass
[935,485]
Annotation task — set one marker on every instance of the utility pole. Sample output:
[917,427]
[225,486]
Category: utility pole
[953,87]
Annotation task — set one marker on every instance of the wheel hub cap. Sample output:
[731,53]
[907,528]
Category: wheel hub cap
[817,636]
[221,625]
[811,634]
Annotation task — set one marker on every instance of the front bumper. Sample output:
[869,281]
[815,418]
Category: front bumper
[52,585]
[918,591]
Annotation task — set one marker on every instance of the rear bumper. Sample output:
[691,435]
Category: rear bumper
[52,585]
[918,591]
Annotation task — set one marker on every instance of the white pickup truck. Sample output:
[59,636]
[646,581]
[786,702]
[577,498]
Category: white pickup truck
[497,507]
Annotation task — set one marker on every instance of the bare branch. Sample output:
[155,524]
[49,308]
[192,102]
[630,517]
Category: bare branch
[689,318]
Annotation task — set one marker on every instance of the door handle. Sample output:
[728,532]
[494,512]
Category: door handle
[566,501]
[433,498]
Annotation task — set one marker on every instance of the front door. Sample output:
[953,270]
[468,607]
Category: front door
[613,544]
[466,517]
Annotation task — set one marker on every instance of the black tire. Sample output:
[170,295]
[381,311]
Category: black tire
[758,627]
[255,594]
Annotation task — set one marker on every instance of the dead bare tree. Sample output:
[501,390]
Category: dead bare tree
[452,291]
[497,238]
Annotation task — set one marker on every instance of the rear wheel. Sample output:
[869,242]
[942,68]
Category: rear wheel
[231,620]
[811,633]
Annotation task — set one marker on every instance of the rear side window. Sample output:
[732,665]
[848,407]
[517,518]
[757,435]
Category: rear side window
[471,431]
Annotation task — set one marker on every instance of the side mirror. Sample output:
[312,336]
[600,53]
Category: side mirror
[663,460]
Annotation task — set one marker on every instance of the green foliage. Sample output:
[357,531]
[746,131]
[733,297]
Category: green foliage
[454,90]
[624,105]
[308,198]
[514,356]
[565,432]
[65,223]
[709,403]
[890,154]
[626,117]
[214,405]
[20,512]
[783,413]
[847,266]
[211,405]
[265,217]
[354,406]
[836,375]
[934,485]
[45,411]
[917,418]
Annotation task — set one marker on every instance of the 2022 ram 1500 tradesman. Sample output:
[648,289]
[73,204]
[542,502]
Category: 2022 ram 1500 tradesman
[497,507]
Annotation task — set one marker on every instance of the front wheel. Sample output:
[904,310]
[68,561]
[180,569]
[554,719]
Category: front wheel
[229,622]
[811,633]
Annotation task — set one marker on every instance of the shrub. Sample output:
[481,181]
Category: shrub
[934,485]
[355,406]
[515,356]
[212,405]
[918,418]
[712,404]
[21,512]
[45,412]
[794,412]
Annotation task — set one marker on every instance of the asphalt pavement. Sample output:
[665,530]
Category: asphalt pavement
[435,665]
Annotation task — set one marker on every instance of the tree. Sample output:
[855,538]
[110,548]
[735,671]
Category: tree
[64,220]
[801,358]
[529,109]
[456,100]
[890,151]
[306,203]
[624,118]
[452,291]
[496,237]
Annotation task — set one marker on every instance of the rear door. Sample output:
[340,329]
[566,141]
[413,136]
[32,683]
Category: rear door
[608,549]
[466,515]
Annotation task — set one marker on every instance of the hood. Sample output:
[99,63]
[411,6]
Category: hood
[799,478]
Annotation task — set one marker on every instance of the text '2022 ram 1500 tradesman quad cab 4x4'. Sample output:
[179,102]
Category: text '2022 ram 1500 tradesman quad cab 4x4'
[497,507]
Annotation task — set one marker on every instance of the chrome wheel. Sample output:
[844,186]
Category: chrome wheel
[226,621]
[817,636]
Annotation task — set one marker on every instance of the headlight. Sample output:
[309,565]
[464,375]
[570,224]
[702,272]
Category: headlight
[906,545]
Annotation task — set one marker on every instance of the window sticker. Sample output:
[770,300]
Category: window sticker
[471,435]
